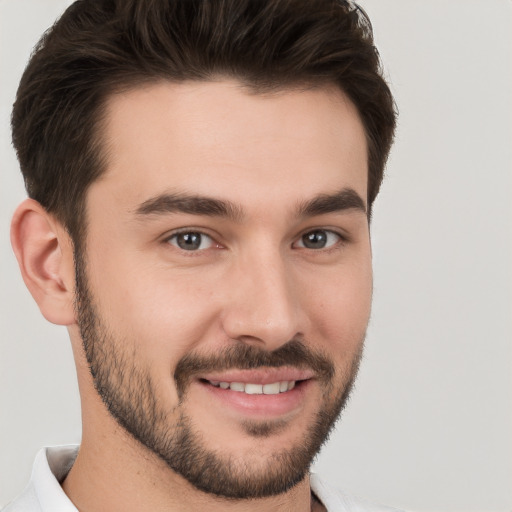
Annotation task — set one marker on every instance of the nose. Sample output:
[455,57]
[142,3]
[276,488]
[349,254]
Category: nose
[263,304]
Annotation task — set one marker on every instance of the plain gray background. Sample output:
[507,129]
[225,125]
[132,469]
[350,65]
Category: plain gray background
[429,427]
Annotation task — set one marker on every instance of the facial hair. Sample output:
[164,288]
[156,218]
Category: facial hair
[129,392]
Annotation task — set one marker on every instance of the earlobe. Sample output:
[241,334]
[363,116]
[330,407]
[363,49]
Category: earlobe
[45,256]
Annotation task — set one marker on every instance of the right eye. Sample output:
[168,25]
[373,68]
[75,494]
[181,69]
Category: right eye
[191,241]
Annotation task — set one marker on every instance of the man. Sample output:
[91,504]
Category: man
[201,176]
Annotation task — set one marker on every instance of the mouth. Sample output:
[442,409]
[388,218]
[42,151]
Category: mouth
[250,388]
[262,393]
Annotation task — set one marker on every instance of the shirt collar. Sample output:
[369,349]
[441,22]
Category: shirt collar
[51,466]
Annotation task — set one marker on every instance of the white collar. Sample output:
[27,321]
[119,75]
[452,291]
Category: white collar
[51,466]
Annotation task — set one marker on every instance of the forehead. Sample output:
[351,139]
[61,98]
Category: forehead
[218,138]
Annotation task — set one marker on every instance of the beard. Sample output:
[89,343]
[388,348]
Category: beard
[130,393]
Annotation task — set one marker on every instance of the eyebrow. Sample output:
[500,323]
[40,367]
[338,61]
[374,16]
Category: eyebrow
[191,204]
[345,199]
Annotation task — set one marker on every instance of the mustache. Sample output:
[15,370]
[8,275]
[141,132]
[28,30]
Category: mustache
[248,357]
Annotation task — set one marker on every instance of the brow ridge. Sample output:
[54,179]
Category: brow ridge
[191,204]
[345,199]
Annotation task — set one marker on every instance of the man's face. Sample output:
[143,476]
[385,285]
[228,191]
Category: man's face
[225,286]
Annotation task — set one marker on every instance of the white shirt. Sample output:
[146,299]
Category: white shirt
[44,493]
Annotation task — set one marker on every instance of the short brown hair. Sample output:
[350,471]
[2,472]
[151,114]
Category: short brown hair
[100,47]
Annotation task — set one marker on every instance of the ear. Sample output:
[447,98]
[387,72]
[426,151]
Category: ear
[44,252]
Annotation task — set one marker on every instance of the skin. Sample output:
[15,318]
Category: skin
[253,281]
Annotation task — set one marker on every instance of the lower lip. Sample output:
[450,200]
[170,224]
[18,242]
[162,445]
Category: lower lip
[261,405]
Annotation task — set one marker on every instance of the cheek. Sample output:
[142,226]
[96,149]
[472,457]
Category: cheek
[340,307]
[162,313]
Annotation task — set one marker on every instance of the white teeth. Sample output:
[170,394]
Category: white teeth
[237,386]
[256,389]
[271,389]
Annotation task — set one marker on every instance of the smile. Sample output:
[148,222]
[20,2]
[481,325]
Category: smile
[273,388]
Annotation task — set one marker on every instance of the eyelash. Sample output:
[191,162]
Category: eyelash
[190,231]
[329,232]
[341,240]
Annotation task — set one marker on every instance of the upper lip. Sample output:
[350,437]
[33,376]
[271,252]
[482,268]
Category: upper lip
[260,375]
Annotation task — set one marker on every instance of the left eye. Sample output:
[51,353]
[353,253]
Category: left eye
[318,239]
[191,241]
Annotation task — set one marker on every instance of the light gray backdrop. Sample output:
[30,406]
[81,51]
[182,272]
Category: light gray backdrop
[429,427]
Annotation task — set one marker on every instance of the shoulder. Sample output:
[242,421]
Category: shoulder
[26,502]
[44,493]
[336,501]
